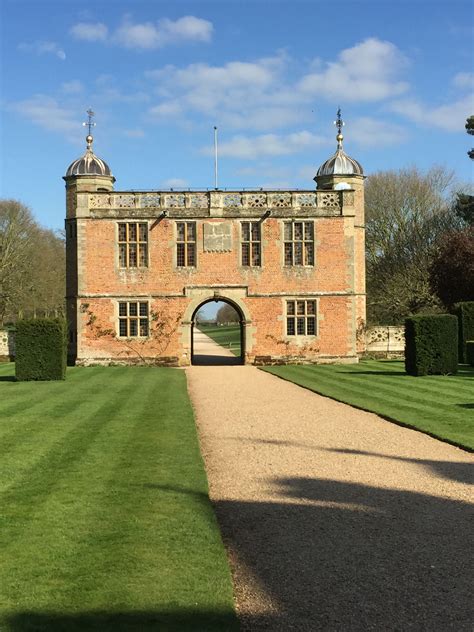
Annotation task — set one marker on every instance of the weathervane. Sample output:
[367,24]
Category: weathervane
[90,124]
[339,123]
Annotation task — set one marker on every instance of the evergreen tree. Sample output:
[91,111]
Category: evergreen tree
[470,130]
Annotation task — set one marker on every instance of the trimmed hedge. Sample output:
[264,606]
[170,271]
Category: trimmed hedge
[470,352]
[465,313]
[41,348]
[431,345]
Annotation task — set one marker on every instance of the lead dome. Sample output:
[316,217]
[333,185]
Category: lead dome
[340,164]
[89,164]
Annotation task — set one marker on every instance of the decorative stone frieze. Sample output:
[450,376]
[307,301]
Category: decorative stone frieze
[198,200]
[149,200]
[240,202]
[385,340]
[305,200]
[329,200]
[255,200]
[176,200]
[279,200]
[232,200]
[124,200]
[99,200]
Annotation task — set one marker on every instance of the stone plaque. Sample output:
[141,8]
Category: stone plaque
[217,237]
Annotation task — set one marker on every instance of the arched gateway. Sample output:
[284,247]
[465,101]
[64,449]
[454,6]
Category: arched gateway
[141,263]
[242,326]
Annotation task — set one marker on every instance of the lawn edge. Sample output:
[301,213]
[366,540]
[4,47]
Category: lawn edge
[212,503]
[397,422]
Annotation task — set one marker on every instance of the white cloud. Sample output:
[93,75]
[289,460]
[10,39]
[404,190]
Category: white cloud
[369,132]
[261,95]
[464,80]
[264,170]
[252,148]
[110,94]
[166,109]
[72,87]
[134,133]
[366,72]
[239,95]
[450,117]
[42,48]
[90,31]
[175,183]
[146,35]
[153,35]
[47,113]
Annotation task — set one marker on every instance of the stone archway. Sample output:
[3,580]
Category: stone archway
[199,359]
[233,296]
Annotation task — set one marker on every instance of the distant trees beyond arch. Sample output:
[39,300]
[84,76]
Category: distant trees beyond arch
[227,314]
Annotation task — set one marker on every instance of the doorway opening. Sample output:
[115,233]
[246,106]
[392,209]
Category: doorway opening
[217,334]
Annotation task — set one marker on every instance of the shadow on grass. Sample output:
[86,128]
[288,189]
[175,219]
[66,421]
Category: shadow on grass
[390,373]
[321,555]
[7,378]
[463,371]
[152,621]
[466,405]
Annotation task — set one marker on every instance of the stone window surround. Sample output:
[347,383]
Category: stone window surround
[138,242]
[176,242]
[299,339]
[293,221]
[250,242]
[121,317]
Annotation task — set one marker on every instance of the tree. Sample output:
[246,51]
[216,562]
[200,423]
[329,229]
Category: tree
[464,208]
[452,268]
[227,314]
[406,212]
[16,233]
[470,130]
[31,265]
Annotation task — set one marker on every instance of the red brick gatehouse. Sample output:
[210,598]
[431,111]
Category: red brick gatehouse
[140,264]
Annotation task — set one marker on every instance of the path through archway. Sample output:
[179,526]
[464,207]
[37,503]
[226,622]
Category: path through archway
[217,333]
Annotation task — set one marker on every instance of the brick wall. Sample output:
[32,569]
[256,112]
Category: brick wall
[96,284]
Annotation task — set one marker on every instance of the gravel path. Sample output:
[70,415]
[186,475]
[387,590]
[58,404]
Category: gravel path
[209,353]
[333,518]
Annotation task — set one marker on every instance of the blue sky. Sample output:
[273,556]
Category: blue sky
[270,75]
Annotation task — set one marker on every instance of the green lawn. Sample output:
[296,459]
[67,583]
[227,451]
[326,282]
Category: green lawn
[442,406]
[227,336]
[105,518]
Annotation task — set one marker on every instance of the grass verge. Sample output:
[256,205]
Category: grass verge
[439,405]
[227,336]
[106,522]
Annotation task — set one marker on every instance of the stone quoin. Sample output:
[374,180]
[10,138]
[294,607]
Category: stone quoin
[140,264]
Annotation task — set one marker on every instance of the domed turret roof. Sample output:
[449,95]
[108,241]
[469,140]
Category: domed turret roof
[340,163]
[89,164]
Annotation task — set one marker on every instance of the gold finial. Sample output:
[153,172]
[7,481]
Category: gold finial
[90,124]
[339,123]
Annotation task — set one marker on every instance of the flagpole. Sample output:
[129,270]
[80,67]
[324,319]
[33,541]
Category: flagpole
[215,157]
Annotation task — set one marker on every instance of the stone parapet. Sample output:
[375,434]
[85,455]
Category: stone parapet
[218,203]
